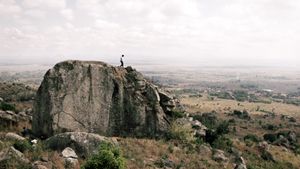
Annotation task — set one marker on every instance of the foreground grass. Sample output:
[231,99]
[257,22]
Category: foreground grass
[144,153]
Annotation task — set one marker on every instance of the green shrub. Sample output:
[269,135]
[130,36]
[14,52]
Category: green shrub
[223,128]
[7,107]
[108,157]
[180,132]
[209,120]
[270,127]
[297,149]
[252,137]
[22,146]
[222,143]
[242,114]
[270,137]
[177,114]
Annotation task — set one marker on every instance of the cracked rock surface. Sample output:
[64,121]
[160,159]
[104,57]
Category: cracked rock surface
[94,97]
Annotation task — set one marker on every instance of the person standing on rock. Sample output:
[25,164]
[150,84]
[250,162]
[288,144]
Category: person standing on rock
[25,132]
[121,60]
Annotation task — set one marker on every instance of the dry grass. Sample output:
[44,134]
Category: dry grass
[254,126]
[220,105]
[142,153]
[56,159]
[281,154]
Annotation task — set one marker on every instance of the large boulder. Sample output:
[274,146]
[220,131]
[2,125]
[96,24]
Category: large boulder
[12,154]
[84,144]
[14,137]
[219,156]
[70,158]
[95,97]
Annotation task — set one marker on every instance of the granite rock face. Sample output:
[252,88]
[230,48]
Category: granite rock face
[94,97]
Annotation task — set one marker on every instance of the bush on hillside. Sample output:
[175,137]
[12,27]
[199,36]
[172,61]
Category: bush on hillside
[108,157]
[7,107]
[22,146]
[209,120]
[222,143]
[270,137]
[252,137]
[177,114]
[180,132]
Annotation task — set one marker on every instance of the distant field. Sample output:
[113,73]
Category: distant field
[204,104]
[184,76]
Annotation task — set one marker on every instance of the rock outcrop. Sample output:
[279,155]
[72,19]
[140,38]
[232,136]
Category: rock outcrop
[70,158]
[85,144]
[12,153]
[95,97]
[14,137]
[10,119]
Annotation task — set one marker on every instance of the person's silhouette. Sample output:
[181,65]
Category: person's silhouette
[121,60]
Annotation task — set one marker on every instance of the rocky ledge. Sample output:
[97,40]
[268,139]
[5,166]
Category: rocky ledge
[95,97]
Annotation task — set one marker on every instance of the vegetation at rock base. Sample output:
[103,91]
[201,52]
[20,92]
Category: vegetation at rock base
[7,107]
[108,157]
[23,145]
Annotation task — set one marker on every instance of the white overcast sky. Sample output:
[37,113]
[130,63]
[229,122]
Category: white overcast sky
[229,32]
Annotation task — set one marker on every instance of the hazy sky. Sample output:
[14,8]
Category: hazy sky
[229,32]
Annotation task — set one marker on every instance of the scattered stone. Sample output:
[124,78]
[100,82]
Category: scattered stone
[166,101]
[200,133]
[240,166]
[28,111]
[165,163]
[14,137]
[42,165]
[12,153]
[237,154]
[292,137]
[242,160]
[183,121]
[72,163]
[70,158]
[282,141]
[44,159]
[263,146]
[205,150]
[293,120]
[39,166]
[290,118]
[9,119]
[219,156]
[196,124]
[34,141]
[69,153]
[85,144]
[284,149]
[23,114]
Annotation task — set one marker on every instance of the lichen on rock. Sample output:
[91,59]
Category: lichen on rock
[95,97]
